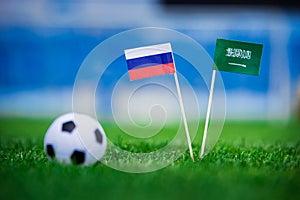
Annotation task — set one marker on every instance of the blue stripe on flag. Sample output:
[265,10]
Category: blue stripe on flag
[147,61]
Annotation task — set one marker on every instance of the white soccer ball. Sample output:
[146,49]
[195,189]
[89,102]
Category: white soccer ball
[75,139]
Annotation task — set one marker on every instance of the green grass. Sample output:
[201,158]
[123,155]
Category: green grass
[252,160]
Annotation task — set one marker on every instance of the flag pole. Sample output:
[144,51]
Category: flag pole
[212,85]
[183,115]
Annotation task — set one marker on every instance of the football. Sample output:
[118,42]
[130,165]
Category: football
[75,138]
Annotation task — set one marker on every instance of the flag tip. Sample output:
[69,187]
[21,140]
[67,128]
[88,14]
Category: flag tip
[192,157]
[201,156]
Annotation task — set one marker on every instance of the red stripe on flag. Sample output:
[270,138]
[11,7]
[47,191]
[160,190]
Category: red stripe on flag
[147,72]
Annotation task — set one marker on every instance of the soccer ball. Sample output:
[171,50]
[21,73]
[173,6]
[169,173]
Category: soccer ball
[75,139]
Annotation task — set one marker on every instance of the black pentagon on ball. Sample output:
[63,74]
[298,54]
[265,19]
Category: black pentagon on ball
[99,137]
[78,157]
[68,126]
[50,151]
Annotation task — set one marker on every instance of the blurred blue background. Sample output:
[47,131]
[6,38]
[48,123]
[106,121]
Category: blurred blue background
[43,43]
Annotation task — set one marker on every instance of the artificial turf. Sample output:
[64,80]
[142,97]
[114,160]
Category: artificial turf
[251,160]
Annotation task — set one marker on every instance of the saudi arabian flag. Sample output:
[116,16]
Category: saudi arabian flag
[238,57]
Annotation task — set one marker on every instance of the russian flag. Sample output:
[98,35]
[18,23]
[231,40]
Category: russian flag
[148,61]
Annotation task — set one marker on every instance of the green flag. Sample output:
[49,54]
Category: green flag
[238,57]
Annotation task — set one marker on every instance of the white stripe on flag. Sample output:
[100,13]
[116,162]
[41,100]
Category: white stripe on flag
[237,64]
[147,51]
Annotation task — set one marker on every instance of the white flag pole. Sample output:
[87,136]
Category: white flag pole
[183,115]
[212,85]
